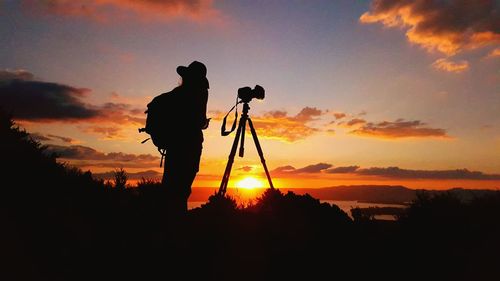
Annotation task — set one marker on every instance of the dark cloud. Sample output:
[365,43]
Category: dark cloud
[283,169]
[80,152]
[92,164]
[50,137]
[20,74]
[399,129]
[39,137]
[245,168]
[61,138]
[388,172]
[148,174]
[314,168]
[446,26]
[395,172]
[342,170]
[36,101]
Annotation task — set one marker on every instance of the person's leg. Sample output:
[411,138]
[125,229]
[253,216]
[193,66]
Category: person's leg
[187,181]
[192,165]
[172,181]
[181,166]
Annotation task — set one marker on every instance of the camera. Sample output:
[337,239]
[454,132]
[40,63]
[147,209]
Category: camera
[246,94]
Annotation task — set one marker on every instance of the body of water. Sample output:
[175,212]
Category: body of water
[346,206]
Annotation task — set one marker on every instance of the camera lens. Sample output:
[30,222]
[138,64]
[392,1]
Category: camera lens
[259,92]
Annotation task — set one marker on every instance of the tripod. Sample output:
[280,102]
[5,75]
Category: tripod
[240,136]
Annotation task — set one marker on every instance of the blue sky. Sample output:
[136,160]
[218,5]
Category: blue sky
[315,54]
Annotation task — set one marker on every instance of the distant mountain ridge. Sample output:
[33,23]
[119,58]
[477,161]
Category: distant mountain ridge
[366,193]
[388,194]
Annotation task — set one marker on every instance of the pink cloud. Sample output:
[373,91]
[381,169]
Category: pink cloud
[399,129]
[110,10]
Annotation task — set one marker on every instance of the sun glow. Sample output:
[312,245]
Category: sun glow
[249,183]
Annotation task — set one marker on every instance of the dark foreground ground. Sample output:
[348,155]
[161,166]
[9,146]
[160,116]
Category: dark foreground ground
[58,223]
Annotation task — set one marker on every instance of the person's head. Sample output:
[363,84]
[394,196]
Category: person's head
[194,74]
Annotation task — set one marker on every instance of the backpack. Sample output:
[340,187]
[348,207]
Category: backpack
[160,114]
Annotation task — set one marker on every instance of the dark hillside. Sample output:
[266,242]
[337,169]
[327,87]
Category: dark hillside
[61,224]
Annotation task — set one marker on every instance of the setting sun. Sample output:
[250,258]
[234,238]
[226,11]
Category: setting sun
[249,183]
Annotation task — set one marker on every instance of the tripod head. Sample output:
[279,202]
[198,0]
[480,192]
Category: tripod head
[245,95]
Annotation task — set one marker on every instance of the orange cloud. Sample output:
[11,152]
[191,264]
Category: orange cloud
[355,121]
[284,129]
[108,10]
[308,114]
[494,53]
[399,129]
[445,64]
[339,115]
[445,26]
[109,133]
[278,125]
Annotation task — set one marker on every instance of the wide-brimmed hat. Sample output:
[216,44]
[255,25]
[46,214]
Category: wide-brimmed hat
[195,69]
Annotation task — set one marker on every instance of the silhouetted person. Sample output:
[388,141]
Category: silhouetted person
[185,144]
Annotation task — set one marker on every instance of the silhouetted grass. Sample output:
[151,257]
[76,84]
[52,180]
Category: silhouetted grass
[58,223]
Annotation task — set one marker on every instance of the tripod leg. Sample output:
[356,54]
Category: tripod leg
[243,121]
[259,150]
[230,161]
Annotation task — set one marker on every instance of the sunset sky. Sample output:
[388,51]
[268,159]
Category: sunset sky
[357,92]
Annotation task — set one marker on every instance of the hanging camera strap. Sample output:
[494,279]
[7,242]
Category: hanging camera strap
[223,130]
[163,153]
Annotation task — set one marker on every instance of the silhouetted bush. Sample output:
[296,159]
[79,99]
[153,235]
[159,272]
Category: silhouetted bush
[359,216]
[120,178]
[58,223]
[221,203]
